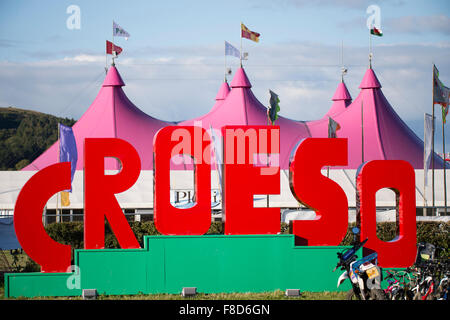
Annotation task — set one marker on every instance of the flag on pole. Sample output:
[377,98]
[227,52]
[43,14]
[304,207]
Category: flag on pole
[274,107]
[231,51]
[118,31]
[427,144]
[248,34]
[111,47]
[333,127]
[68,149]
[444,113]
[441,93]
[65,200]
[376,31]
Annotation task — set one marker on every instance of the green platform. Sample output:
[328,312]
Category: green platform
[212,263]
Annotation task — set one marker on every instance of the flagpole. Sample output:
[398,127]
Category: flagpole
[113,48]
[370,50]
[424,165]
[432,149]
[329,136]
[445,177]
[362,132]
[240,55]
[106,61]
[225,55]
[59,159]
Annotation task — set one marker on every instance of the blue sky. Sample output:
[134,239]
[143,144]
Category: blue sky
[32,27]
[173,63]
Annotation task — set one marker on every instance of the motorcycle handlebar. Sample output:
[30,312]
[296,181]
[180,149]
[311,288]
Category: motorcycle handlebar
[354,249]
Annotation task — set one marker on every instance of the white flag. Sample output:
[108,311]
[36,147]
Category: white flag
[118,31]
[428,127]
[231,51]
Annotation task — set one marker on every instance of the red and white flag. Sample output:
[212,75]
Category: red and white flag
[110,47]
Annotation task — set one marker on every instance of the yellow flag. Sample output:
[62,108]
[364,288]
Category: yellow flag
[65,201]
[248,34]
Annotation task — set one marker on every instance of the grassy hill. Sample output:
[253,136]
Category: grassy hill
[25,134]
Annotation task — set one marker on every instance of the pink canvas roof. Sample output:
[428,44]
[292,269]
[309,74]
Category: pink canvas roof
[386,136]
[341,99]
[111,114]
[241,107]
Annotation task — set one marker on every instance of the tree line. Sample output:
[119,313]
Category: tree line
[25,134]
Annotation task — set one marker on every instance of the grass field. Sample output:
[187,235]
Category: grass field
[275,295]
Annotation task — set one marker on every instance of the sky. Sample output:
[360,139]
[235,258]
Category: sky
[173,62]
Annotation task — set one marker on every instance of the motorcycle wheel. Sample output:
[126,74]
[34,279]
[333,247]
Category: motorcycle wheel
[417,296]
[377,294]
[398,295]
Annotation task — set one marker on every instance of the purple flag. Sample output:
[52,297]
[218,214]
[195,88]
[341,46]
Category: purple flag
[68,148]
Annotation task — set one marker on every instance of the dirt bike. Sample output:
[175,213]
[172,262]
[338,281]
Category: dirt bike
[364,274]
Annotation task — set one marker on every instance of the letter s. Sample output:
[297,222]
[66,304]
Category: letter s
[318,192]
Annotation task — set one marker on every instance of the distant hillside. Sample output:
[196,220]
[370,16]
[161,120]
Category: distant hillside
[25,134]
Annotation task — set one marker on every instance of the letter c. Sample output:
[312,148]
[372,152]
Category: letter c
[51,255]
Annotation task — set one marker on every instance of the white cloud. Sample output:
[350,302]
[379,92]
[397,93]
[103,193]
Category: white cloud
[420,24]
[85,58]
[170,87]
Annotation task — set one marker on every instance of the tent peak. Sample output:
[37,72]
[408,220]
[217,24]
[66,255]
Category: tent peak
[370,80]
[240,79]
[341,93]
[223,91]
[113,78]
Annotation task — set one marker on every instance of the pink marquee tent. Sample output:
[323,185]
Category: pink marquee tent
[241,107]
[386,136]
[111,114]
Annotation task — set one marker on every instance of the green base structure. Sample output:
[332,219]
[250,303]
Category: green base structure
[211,263]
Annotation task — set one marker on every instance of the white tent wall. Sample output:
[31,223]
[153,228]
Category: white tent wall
[140,196]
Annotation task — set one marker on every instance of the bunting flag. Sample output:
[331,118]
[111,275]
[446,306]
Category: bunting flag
[376,31]
[231,51]
[274,108]
[441,93]
[65,201]
[111,47]
[251,35]
[333,127]
[444,113]
[118,31]
[68,149]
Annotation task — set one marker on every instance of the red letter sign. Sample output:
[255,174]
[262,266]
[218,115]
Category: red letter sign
[398,176]
[99,199]
[195,142]
[51,255]
[319,193]
[247,172]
